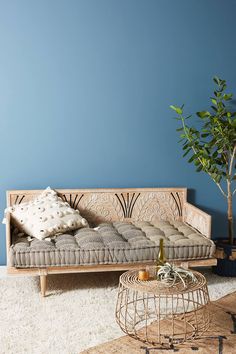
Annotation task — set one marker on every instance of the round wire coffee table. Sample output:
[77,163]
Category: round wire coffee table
[155,313]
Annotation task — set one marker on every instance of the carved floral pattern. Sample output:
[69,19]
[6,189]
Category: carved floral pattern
[159,205]
[100,207]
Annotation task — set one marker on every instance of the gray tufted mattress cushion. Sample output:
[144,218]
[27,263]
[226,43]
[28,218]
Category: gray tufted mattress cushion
[118,242]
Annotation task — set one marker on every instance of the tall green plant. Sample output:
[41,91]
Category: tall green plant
[213,145]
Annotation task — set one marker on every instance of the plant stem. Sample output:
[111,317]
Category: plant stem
[232,161]
[230,204]
[230,214]
[220,188]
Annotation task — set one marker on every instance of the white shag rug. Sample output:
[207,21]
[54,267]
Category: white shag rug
[77,313]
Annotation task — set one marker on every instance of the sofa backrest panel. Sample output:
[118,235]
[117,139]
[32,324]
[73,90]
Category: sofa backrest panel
[103,205]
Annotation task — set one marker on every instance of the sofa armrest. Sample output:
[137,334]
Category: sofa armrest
[8,232]
[197,218]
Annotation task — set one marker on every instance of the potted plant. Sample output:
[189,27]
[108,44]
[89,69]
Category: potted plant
[213,150]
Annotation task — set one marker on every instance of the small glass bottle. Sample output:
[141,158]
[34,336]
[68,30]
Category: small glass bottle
[161,259]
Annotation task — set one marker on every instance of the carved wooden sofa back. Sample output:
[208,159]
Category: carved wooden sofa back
[103,205]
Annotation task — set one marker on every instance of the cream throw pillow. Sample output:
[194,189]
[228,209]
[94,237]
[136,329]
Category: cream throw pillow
[46,215]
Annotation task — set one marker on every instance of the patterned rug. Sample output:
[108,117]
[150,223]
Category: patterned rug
[219,339]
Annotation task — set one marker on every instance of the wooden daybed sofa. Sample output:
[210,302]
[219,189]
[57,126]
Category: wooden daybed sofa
[125,228]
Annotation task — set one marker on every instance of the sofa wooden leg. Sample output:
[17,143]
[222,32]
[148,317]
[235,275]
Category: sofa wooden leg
[43,284]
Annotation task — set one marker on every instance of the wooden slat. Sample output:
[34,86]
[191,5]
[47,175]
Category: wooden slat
[97,190]
[104,268]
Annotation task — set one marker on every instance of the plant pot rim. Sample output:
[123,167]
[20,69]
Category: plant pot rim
[225,242]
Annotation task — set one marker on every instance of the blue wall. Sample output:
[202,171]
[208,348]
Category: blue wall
[85,89]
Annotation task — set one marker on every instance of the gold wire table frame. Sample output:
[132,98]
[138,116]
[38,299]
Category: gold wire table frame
[157,314]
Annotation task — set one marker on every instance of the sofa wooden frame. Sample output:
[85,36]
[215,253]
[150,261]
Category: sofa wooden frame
[101,205]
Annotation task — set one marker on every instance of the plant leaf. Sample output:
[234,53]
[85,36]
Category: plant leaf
[203,114]
[216,80]
[213,100]
[176,109]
